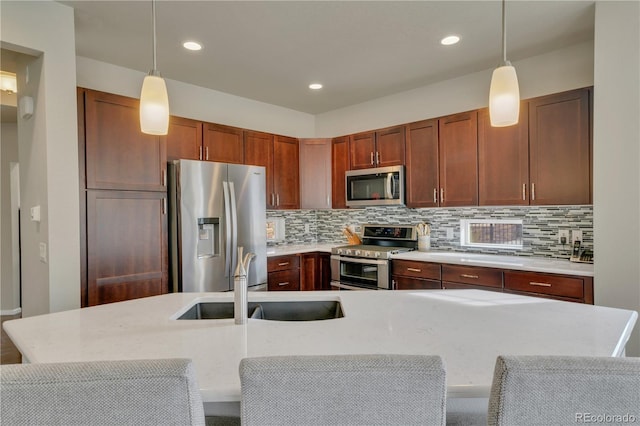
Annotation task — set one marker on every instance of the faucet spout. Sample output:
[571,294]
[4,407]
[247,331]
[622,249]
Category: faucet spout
[240,284]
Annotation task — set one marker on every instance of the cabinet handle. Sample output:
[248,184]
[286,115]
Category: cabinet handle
[273,199]
[540,284]
[441,195]
[277,199]
[284,283]
[283,263]
[414,270]
[377,157]
[206,150]
[533,191]
[435,195]
[524,192]
[393,285]
[164,206]
[200,153]
[372,158]
[475,277]
[164,177]
[328,201]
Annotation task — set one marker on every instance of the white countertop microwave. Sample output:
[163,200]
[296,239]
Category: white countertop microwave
[380,186]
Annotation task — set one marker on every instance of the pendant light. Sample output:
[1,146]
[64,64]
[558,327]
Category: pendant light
[504,94]
[154,101]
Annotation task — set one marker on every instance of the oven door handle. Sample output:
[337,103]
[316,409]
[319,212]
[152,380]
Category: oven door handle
[365,261]
[349,287]
[389,187]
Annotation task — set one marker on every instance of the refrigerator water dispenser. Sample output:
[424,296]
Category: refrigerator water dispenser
[208,230]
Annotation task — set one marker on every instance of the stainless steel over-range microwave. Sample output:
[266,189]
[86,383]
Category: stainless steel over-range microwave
[381,186]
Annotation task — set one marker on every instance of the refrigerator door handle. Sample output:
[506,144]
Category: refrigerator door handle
[234,228]
[227,221]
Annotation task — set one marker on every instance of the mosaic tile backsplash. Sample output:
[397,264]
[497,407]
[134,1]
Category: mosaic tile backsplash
[540,225]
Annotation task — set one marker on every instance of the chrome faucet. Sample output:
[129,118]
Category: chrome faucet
[240,284]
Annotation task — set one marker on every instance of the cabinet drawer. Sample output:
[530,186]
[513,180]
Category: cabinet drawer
[446,285]
[284,281]
[409,268]
[553,285]
[283,263]
[472,275]
[406,283]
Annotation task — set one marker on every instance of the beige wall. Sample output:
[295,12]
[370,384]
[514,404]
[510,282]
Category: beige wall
[616,144]
[9,290]
[560,70]
[48,152]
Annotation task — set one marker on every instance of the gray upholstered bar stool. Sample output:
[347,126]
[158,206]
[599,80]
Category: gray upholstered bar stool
[343,390]
[140,392]
[559,390]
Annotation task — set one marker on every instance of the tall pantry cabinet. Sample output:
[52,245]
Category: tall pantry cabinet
[124,201]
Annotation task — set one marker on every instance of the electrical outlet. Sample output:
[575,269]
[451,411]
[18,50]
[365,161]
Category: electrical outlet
[563,236]
[576,235]
[43,252]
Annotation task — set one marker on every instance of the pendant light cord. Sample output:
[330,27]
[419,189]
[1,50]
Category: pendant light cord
[153,13]
[504,35]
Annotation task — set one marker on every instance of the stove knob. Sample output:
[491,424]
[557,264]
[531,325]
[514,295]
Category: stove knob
[347,251]
[358,252]
[339,251]
[367,253]
[377,254]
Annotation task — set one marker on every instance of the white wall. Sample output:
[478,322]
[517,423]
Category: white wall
[616,145]
[9,291]
[187,100]
[560,70]
[48,152]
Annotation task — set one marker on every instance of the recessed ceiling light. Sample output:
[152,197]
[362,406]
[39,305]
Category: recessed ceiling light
[315,86]
[192,45]
[449,40]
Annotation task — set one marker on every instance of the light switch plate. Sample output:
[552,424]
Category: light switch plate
[35,214]
[43,252]
[576,235]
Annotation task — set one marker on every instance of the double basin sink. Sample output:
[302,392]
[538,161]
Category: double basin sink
[308,310]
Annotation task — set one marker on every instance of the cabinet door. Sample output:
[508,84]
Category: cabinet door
[118,154]
[286,181]
[223,144]
[503,161]
[362,147]
[258,151]
[339,165]
[422,164]
[309,271]
[458,149]
[390,147]
[315,173]
[126,245]
[284,280]
[184,140]
[406,283]
[559,151]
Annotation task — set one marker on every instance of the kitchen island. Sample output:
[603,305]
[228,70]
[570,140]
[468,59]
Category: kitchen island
[467,328]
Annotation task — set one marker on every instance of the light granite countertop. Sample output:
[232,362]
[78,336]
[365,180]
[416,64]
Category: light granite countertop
[298,248]
[467,328]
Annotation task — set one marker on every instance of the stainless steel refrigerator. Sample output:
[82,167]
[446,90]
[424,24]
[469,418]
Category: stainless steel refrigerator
[214,209]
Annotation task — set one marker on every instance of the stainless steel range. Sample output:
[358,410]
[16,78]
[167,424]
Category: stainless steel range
[367,266]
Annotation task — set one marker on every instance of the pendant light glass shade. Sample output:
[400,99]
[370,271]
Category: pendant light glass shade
[154,100]
[504,93]
[504,97]
[154,106]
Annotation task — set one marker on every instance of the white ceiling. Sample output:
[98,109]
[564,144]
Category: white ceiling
[360,50]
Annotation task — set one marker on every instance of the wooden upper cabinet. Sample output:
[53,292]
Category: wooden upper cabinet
[339,165]
[286,175]
[118,154]
[362,147]
[559,148]
[503,161]
[390,147]
[126,245]
[458,150]
[422,164]
[258,151]
[184,140]
[315,173]
[223,144]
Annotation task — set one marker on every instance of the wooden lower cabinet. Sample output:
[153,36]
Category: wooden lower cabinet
[406,283]
[562,287]
[412,275]
[284,280]
[126,245]
[472,275]
[315,271]
[305,272]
